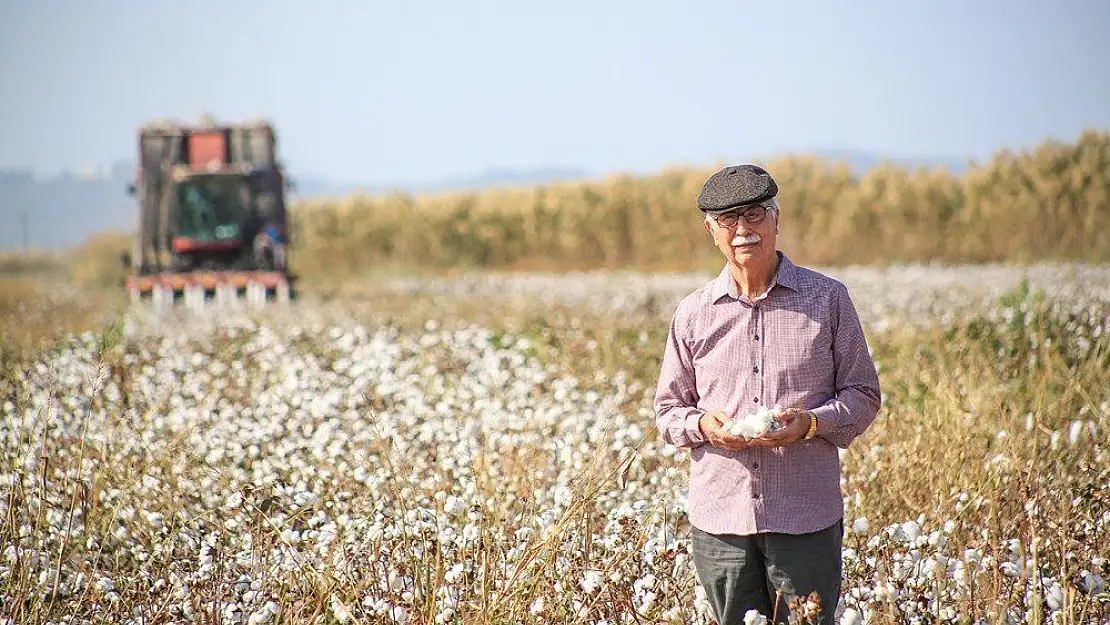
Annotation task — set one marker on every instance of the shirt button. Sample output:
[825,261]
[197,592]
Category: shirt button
[755,399]
[755,369]
[755,465]
[755,495]
[757,337]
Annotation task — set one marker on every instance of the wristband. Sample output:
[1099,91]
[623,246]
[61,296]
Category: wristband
[812,426]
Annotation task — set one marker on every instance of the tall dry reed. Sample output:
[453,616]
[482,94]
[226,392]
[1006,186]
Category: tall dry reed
[1048,203]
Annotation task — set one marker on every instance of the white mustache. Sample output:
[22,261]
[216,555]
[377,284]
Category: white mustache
[751,238]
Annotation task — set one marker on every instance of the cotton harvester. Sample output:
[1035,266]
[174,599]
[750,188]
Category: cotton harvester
[212,215]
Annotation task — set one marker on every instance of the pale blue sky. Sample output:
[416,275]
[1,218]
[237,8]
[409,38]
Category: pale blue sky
[393,91]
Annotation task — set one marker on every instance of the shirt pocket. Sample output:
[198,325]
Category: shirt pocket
[803,358]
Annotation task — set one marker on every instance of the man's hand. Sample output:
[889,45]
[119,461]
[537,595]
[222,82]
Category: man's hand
[795,425]
[712,424]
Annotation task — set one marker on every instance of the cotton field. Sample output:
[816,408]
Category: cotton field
[392,459]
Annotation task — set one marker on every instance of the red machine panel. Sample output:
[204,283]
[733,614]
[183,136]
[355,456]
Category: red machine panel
[207,146]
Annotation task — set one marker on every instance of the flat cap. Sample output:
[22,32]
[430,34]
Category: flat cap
[736,185]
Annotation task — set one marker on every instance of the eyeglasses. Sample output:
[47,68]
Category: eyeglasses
[751,214]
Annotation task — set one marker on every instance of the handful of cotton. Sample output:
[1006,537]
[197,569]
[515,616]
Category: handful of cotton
[755,424]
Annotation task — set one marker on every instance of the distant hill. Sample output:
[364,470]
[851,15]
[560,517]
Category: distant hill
[315,187]
[64,210]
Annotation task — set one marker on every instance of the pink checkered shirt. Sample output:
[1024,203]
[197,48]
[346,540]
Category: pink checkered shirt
[799,345]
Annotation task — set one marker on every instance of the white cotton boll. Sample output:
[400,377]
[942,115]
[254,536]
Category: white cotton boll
[753,617]
[644,583]
[1031,508]
[155,519]
[547,517]
[454,573]
[1074,431]
[959,575]
[536,608]
[470,533]
[646,602]
[448,536]
[755,424]
[929,567]
[860,526]
[1091,583]
[851,616]
[1054,596]
[243,584]
[591,581]
[234,500]
[231,611]
[911,530]
[339,611]
[884,591]
[304,498]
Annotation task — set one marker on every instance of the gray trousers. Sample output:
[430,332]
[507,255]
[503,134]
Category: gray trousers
[741,573]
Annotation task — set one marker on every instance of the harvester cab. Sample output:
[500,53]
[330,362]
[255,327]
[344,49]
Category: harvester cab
[212,215]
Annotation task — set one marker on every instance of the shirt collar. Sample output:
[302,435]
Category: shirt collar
[786,275]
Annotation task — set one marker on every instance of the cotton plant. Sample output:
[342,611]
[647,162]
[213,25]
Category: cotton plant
[242,465]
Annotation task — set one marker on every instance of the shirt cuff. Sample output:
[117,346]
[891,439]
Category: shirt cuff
[693,429]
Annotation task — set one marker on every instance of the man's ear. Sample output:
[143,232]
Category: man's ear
[709,229]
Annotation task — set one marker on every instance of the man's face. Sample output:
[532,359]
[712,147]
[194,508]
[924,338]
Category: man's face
[746,237]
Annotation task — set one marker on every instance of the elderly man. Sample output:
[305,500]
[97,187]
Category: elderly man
[767,512]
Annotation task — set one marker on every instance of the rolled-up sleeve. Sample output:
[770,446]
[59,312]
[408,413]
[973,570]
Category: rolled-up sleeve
[858,398]
[676,397]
